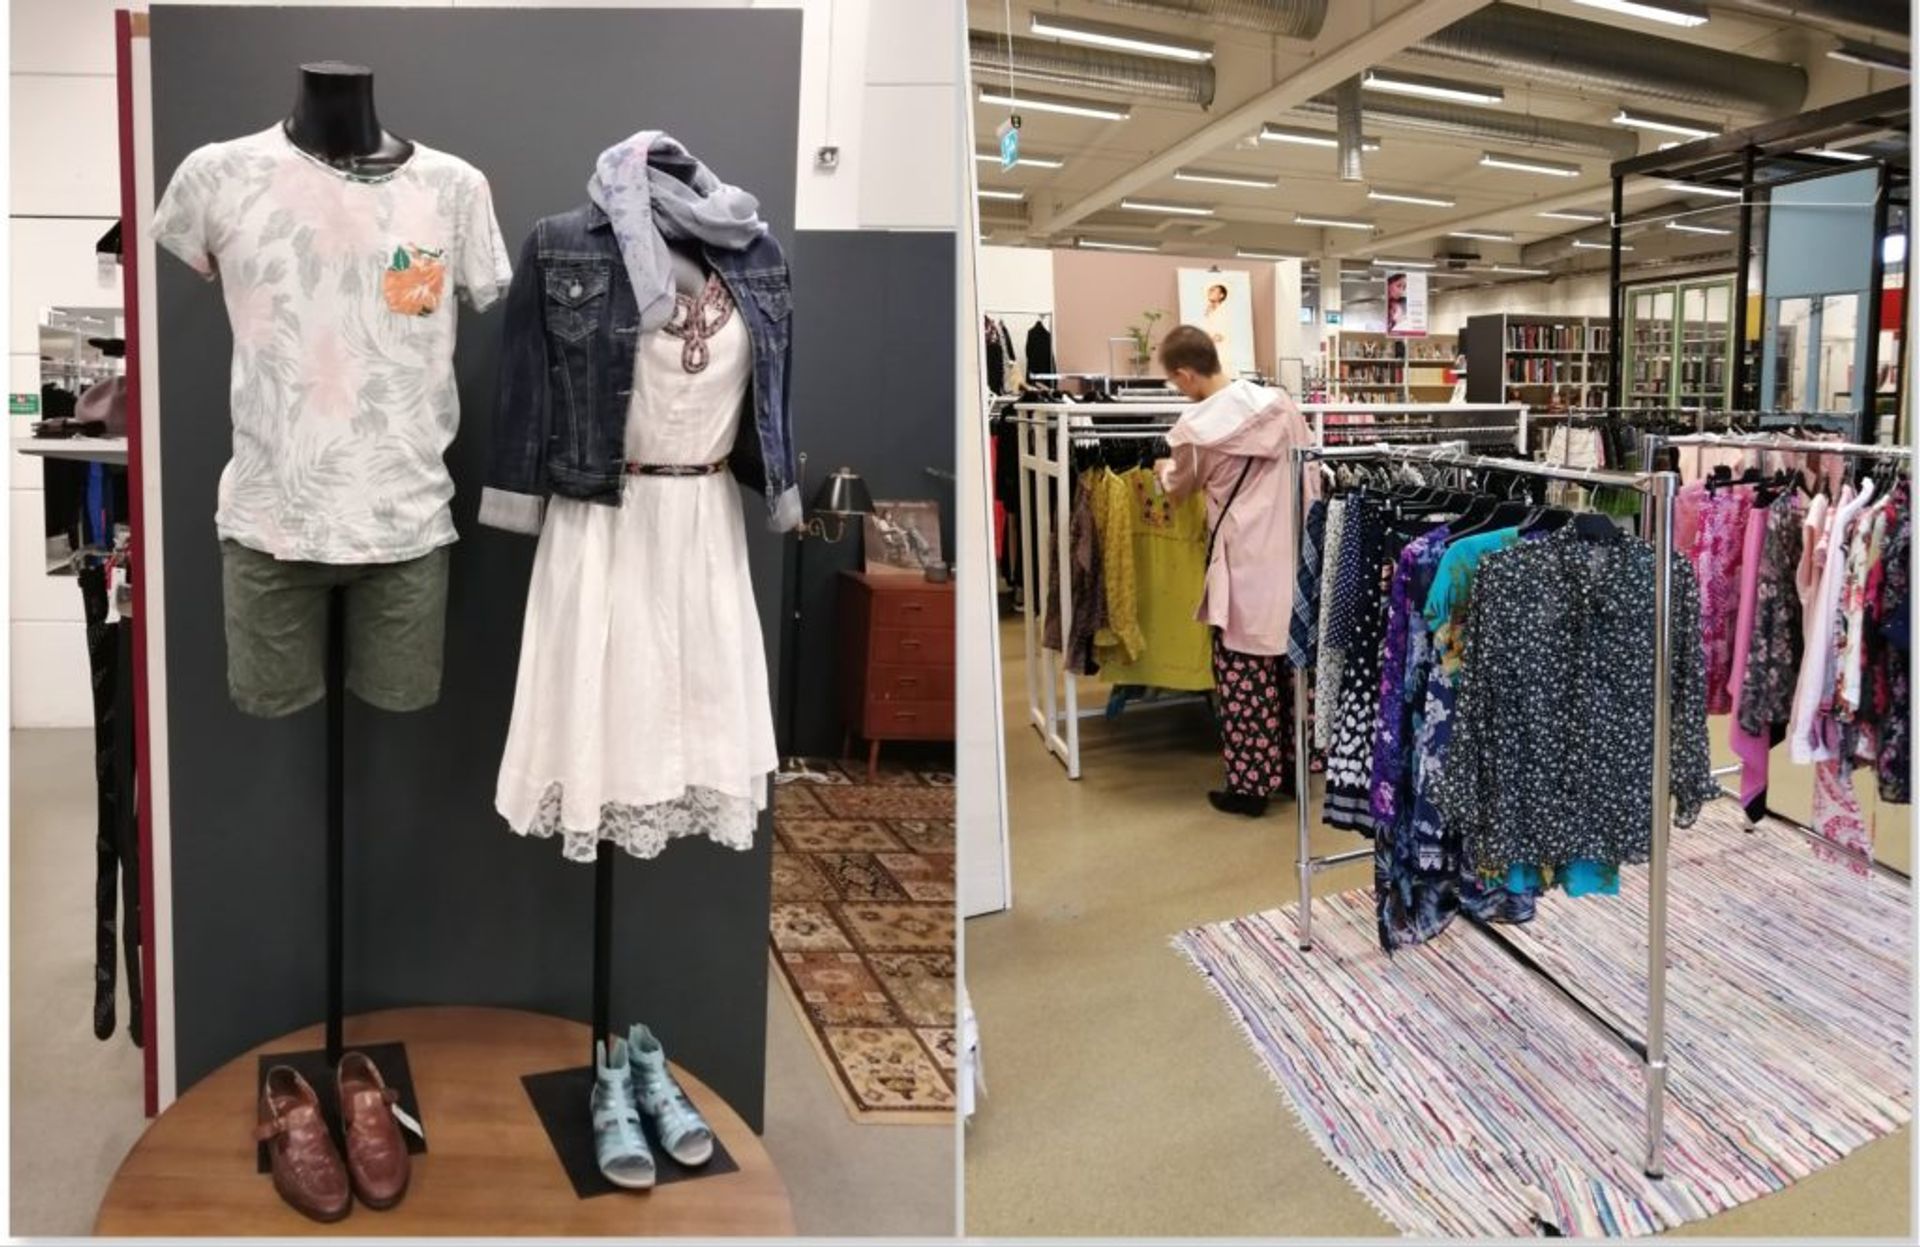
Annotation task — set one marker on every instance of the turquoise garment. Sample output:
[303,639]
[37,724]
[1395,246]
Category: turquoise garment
[1579,879]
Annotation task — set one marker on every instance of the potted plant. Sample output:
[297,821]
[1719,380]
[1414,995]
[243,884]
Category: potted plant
[1142,335]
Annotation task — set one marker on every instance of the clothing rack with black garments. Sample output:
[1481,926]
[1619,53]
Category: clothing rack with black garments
[1777,443]
[1661,489]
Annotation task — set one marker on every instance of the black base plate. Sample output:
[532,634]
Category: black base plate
[391,1058]
[562,1098]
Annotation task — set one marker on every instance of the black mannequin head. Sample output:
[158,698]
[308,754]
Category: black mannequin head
[334,120]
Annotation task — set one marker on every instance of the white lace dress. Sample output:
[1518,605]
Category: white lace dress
[641,713]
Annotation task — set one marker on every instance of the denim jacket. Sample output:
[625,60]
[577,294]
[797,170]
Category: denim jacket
[566,373]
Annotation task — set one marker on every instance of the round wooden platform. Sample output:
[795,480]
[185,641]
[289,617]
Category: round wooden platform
[490,1170]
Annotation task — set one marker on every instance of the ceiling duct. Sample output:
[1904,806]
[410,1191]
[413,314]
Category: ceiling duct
[1558,51]
[1347,129]
[1067,65]
[1295,19]
[1884,17]
[1465,121]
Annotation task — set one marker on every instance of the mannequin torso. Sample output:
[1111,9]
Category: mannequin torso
[333,120]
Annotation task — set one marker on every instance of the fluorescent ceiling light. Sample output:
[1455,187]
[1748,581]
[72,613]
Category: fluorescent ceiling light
[988,192]
[1111,244]
[1484,235]
[1573,214]
[1641,119]
[1871,55]
[1065,105]
[1427,86]
[1529,164]
[1686,228]
[1672,12]
[1517,271]
[1224,178]
[1123,38]
[1582,244]
[1029,159]
[1249,253]
[1687,188]
[1333,222]
[1893,249]
[1271,133]
[1155,205]
[1408,197]
[1381,262]
[1834,153]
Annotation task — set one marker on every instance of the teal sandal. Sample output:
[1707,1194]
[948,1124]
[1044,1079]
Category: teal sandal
[683,1132]
[619,1145]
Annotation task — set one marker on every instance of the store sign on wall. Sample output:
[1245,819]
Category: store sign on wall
[1333,317]
[1009,142]
[1407,305]
[23,404]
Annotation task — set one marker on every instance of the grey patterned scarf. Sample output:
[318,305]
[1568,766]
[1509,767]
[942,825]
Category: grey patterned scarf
[653,190]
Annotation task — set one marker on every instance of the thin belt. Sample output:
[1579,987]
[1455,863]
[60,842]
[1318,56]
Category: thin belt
[676,469]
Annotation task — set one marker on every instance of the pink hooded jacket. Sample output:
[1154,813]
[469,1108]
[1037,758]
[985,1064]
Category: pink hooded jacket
[1249,586]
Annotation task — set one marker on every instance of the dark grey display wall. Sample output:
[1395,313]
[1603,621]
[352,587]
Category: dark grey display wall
[873,390]
[445,905]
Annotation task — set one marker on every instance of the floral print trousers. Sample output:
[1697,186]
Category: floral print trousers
[1255,706]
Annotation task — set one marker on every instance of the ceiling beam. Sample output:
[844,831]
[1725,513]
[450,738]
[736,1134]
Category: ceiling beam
[1324,72]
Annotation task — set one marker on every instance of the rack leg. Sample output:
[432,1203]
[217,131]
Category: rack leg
[1302,800]
[1661,523]
[336,816]
[602,949]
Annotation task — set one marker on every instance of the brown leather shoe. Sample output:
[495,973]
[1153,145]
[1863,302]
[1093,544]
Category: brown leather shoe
[376,1154]
[306,1166]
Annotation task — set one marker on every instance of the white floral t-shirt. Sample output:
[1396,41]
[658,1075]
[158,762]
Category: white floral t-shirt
[338,292]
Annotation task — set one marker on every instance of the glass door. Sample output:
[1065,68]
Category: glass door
[1649,347]
[1706,345]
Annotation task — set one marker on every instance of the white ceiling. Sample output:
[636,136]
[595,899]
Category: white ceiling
[1250,65]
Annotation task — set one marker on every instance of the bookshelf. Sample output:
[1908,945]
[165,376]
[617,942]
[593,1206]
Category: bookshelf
[1523,358]
[1679,344]
[1374,368]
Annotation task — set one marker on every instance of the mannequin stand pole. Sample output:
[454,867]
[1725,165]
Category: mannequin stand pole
[602,949]
[336,814]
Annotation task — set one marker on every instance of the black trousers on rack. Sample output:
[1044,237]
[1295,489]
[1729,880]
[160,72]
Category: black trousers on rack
[116,888]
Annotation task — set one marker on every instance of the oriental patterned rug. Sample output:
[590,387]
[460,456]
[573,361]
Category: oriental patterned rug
[1461,1097]
[863,933]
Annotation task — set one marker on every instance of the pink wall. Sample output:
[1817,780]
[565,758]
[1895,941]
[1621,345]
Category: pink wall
[1098,294]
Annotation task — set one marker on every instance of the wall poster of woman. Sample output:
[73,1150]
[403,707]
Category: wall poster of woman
[1221,303]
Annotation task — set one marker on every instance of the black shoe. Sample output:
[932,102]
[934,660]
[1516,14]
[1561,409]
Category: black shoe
[1237,803]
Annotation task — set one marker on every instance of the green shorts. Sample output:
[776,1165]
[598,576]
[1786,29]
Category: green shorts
[396,621]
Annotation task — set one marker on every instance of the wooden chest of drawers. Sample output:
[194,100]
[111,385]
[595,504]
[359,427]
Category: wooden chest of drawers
[896,660]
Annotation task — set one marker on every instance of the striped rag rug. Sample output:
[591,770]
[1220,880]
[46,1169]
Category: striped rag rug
[1462,1097]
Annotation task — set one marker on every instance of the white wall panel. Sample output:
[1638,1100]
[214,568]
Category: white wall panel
[53,265]
[50,680]
[1016,278]
[63,36]
[37,597]
[65,143]
[912,42]
[910,176]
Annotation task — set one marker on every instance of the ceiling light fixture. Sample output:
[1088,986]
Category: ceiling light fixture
[1224,178]
[1271,133]
[1516,271]
[1427,86]
[1112,244]
[1121,38]
[1672,12]
[1384,262]
[1872,56]
[1408,197]
[1155,205]
[1065,105]
[1686,228]
[988,192]
[1574,214]
[1529,164]
[1582,244]
[1484,235]
[1687,188]
[1835,153]
[1641,119]
[1030,159]
[1249,253]
[1333,222]
[1893,250]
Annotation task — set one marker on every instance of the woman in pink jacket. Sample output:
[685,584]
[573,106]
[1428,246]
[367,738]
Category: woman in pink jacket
[1236,443]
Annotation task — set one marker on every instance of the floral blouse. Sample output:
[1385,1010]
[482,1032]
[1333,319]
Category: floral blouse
[1892,693]
[1773,648]
[1552,752]
[1716,566]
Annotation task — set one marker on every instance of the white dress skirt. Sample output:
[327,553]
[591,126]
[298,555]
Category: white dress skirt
[640,714]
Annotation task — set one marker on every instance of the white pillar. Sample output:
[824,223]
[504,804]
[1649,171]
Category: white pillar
[1287,348]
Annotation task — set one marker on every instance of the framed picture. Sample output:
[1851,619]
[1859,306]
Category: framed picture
[1220,301]
[902,537]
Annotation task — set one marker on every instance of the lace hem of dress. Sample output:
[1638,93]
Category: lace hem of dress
[645,830]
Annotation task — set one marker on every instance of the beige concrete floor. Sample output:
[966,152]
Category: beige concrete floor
[76,1102]
[1122,1100]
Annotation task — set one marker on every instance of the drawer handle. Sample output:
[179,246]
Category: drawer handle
[910,643]
[913,606]
[909,681]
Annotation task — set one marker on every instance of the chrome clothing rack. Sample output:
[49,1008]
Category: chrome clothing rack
[1660,488]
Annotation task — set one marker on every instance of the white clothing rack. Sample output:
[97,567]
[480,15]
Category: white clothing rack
[1661,488]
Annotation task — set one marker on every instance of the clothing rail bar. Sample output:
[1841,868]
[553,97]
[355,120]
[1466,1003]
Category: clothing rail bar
[1775,441]
[1661,487]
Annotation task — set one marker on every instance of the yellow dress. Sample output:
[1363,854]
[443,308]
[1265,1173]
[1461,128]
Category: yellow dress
[1154,556]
